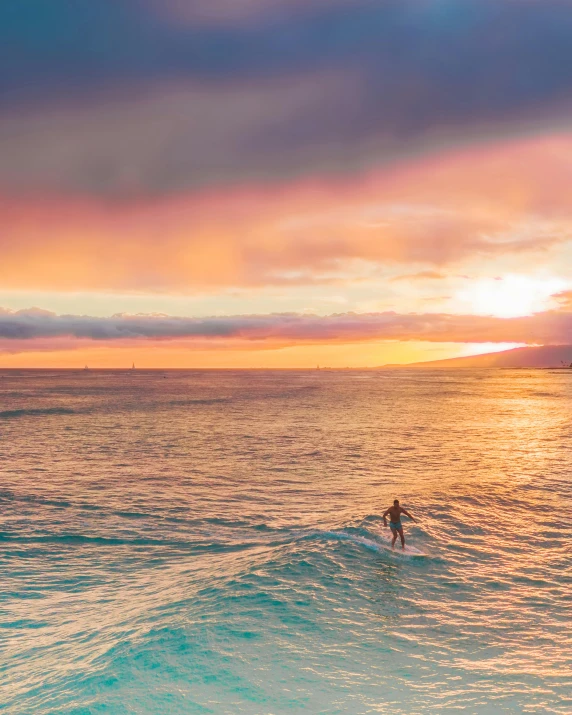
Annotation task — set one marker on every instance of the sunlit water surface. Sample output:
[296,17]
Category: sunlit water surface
[211,542]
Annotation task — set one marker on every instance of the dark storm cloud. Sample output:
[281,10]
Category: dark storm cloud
[416,68]
[468,45]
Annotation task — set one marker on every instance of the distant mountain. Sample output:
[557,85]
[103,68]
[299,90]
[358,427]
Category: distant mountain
[544,356]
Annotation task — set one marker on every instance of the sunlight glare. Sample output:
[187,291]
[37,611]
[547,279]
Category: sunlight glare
[511,296]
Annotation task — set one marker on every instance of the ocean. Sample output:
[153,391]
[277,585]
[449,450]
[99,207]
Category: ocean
[212,542]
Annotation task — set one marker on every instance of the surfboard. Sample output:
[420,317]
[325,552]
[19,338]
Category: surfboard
[408,551]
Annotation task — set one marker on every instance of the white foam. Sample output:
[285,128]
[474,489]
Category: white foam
[384,544]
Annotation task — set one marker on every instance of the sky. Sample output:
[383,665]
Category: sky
[283,183]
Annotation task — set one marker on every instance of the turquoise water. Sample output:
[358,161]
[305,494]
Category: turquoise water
[211,542]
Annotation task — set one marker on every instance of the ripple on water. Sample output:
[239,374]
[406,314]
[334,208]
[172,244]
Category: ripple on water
[213,542]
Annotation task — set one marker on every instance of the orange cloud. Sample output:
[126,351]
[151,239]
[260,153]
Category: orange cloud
[487,201]
[420,275]
[564,299]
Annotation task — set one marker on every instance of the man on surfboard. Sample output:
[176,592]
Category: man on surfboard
[395,525]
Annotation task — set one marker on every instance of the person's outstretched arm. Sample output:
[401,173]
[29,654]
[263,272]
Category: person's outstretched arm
[404,511]
[385,513]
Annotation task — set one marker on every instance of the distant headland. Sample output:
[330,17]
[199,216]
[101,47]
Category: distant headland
[546,356]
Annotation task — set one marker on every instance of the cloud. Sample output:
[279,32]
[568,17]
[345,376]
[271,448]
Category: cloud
[124,97]
[549,327]
[229,12]
[501,200]
[421,276]
[564,298]
[163,138]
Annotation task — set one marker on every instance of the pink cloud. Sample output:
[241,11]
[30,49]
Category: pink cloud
[230,12]
[507,200]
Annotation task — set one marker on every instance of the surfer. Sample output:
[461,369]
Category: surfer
[395,525]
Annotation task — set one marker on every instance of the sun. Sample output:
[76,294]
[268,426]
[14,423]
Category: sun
[511,296]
